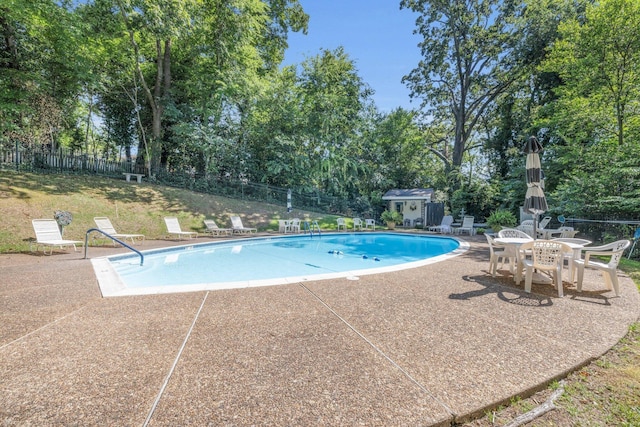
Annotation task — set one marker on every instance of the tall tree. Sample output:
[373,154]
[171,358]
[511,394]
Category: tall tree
[231,42]
[333,99]
[599,63]
[468,62]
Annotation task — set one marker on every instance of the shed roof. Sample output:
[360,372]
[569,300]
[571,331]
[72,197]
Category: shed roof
[413,193]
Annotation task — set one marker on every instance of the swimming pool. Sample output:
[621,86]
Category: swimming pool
[268,261]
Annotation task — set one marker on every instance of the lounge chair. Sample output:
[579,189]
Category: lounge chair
[212,227]
[238,227]
[173,227]
[104,224]
[445,225]
[357,223]
[467,226]
[609,269]
[341,223]
[48,235]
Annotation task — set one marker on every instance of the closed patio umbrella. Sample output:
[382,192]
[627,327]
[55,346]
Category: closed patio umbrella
[534,202]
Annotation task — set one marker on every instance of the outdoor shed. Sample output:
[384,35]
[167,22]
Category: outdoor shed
[411,203]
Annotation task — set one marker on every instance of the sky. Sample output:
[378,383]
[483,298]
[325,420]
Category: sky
[376,35]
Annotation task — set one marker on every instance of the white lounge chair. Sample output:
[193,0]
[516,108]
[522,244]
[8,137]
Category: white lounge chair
[341,223]
[212,227]
[357,223]
[238,227]
[445,225]
[104,224]
[609,269]
[173,227]
[467,226]
[544,222]
[48,235]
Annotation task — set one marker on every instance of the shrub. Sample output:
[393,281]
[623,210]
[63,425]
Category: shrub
[500,219]
[391,216]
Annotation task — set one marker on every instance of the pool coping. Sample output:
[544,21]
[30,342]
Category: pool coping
[111,285]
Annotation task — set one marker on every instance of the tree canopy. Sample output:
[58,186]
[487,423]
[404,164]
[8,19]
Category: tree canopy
[197,87]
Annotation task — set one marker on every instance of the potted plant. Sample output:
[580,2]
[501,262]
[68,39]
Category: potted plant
[501,218]
[391,218]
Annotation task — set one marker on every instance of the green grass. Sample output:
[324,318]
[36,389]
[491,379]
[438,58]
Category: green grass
[132,208]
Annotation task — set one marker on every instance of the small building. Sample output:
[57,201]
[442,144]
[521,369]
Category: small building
[411,203]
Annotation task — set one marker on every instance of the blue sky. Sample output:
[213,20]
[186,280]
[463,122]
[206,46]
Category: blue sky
[376,34]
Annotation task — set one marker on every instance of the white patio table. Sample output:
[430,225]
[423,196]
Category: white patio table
[513,243]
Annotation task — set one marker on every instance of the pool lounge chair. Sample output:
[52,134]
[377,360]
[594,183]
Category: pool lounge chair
[48,235]
[212,227]
[445,225]
[104,224]
[467,226]
[173,227]
[238,227]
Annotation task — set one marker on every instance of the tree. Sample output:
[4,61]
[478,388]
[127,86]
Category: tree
[598,60]
[468,62]
[42,68]
[334,97]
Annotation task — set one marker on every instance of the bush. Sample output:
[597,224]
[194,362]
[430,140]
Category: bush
[500,219]
[391,216]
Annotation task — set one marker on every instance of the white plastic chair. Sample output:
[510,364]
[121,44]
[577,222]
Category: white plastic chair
[467,226]
[341,223]
[294,225]
[212,227]
[496,253]
[608,269]
[238,227]
[513,232]
[104,224]
[357,223]
[370,223]
[526,226]
[567,232]
[445,225]
[544,222]
[173,227]
[575,254]
[546,255]
[48,234]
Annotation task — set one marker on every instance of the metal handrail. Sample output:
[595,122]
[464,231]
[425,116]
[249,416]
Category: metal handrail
[309,228]
[86,241]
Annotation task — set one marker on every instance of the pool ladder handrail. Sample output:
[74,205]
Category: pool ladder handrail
[309,228]
[86,241]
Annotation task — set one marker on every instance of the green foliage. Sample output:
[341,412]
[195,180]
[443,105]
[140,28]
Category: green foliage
[501,218]
[391,216]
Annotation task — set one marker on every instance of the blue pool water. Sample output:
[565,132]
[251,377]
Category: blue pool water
[260,261]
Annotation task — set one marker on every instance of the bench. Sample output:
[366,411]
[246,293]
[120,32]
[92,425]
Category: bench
[128,176]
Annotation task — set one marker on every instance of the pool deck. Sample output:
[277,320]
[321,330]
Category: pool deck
[419,347]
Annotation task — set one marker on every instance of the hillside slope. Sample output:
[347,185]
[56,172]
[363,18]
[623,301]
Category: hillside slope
[132,208]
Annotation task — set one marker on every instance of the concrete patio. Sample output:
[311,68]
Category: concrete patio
[419,347]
